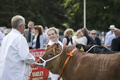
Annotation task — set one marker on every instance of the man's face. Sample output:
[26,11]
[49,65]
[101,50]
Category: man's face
[112,30]
[23,28]
[30,25]
[116,32]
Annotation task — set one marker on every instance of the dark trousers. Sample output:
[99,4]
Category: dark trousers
[30,47]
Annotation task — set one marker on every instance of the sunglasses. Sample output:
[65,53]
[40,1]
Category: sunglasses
[93,33]
[71,33]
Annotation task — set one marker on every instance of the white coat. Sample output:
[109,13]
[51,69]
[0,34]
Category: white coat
[15,58]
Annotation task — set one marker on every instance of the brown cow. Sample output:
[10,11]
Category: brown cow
[82,65]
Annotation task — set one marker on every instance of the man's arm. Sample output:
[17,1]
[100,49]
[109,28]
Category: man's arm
[23,51]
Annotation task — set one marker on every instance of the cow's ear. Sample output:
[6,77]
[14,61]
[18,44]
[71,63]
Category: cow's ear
[48,46]
[58,45]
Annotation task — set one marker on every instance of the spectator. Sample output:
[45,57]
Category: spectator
[67,40]
[28,33]
[53,36]
[15,58]
[79,39]
[3,33]
[38,37]
[1,37]
[46,29]
[115,45]
[85,33]
[60,39]
[112,28]
[108,42]
[96,39]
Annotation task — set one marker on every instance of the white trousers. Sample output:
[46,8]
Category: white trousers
[54,76]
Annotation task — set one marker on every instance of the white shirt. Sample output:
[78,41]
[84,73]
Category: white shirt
[69,43]
[51,42]
[81,40]
[54,76]
[15,58]
[107,35]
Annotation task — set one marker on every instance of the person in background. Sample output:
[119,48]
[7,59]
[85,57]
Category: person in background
[28,33]
[45,39]
[67,40]
[15,58]
[60,39]
[112,28]
[1,37]
[53,36]
[45,35]
[96,39]
[110,38]
[38,37]
[79,39]
[85,33]
[46,29]
[115,44]
[3,33]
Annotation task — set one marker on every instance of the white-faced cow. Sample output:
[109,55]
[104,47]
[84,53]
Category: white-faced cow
[82,65]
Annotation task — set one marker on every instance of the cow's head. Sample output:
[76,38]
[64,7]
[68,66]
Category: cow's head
[52,51]
[79,46]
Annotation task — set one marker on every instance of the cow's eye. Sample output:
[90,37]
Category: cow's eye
[50,54]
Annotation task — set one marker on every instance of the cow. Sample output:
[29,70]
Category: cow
[81,65]
[92,48]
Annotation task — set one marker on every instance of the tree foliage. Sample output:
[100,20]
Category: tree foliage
[42,12]
[100,14]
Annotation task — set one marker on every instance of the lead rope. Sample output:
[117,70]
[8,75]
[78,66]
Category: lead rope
[70,55]
[91,48]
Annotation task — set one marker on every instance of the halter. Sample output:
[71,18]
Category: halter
[69,55]
[91,48]
[45,61]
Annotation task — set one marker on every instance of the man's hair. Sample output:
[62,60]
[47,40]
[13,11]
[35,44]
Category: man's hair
[31,22]
[17,20]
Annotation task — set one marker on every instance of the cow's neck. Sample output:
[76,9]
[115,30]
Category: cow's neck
[64,56]
[60,60]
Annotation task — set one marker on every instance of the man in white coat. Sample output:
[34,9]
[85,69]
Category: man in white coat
[15,58]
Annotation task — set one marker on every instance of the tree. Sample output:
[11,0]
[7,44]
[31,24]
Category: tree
[100,14]
[42,12]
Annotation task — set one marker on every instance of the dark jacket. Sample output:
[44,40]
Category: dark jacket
[115,45]
[97,41]
[89,39]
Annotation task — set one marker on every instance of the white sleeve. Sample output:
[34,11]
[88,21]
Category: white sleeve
[73,39]
[23,51]
[84,41]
